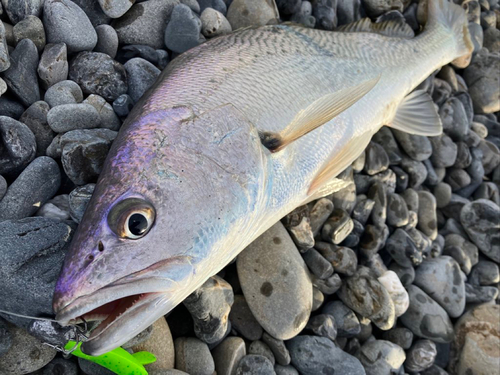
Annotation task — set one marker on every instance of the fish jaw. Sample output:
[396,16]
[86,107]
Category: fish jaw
[129,305]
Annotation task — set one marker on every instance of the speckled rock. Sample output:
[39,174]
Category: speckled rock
[402,249]
[213,23]
[397,210]
[141,74]
[427,221]
[280,298]
[425,318]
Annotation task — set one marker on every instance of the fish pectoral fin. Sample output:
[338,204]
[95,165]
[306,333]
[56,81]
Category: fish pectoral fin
[388,28]
[417,115]
[325,182]
[318,113]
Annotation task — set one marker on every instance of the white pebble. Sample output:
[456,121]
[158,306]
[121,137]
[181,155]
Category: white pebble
[399,296]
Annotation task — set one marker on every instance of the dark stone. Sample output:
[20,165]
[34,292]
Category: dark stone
[17,145]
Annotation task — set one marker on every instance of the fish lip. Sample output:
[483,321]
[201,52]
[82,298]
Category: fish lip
[130,285]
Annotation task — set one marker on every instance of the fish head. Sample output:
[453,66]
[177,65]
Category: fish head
[178,196]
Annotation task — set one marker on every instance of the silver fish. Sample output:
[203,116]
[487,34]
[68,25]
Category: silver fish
[235,134]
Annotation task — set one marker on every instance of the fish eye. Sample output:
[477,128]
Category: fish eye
[131,218]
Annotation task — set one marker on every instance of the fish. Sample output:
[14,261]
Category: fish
[233,135]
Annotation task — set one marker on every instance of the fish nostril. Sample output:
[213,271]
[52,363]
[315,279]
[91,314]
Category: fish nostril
[100,246]
[90,258]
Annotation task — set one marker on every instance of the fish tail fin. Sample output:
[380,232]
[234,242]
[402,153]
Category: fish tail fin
[452,17]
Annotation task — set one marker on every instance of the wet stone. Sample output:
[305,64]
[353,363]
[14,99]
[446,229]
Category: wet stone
[107,40]
[66,117]
[320,212]
[318,265]
[479,219]
[97,73]
[193,356]
[337,227]
[21,77]
[261,349]
[343,259]
[255,365]
[323,325]
[313,355]
[141,74]
[425,318]
[183,29]
[228,354]
[376,159]
[417,147]
[368,297]
[397,211]
[381,357]
[421,356]
[65,22]
[441,279]
[209,306]
[402,249]
[18,145]
[63,92]
[400,336]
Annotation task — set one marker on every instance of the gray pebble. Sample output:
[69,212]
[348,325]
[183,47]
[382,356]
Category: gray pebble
[318,265]
[278,348]
[405,274]
[346,321]
[385,138]
[376,7]
[218,5]
[66,117]
[303,15]
[454,119]
[97,73]
[115,8]
[3,87]
[261,349]
[213,23]
[491,155]
[348,11]
[5,337]
[400,336]
[484,273]
[193,5]
[10,107]
[209,306]
[313,355]
[138,339]
[378,193]
[244,13]
[193,356]
[455,206]
[444,151]
[457,179]
[397,211]
[30,28]
[93,11]
[183,30]
[109,119]
[463,251]
[442,91]
[480,294]
[65,22]
[285,370]
[421,356]
[145,23]
[417,147]
[130,51]
[433,177]
[416,170]
[326,17]
[442,193]
[243,321]
[425,318]
[343,259]
[18,145]
[228,354]
[60,366]
[51,332]
[3,187]
[464,157]
[381,357]
[368,297]
[376,265]
[323,325]
[78,201]
[328,286]
[362,210]
[318,299]
[141,75]
[163,58]
[53,66]
[18,10]
[36,249]
[376,159]
[359,164]
[488,190]
[402,178]
[411,198]
[479,219]
[63,92]
[123,105]
[21,77]
[107,40]
[35,118]
[4,50]
[402,249]
[81,165]
[346,197]
[320,212]
[337,227]
[373,239]
[27,354]
[255,365]
[427,221]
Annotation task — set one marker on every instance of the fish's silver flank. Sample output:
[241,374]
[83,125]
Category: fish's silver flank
[235,134]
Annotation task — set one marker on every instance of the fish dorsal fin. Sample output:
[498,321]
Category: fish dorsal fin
[388,28]
[325,180]
[417,115]
[318,113]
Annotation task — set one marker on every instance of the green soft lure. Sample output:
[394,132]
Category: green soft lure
[118,360]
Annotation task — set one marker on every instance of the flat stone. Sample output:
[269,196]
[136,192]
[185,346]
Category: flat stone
[193,356]
[278,348]
[425,318]
[243,321]
[402,249]
[378,193]
[377,159]
[53,66]
[343,259]
[485,273]
[329,285]
[427,221]
[444,151]
[479,219]
[280,297]
[66,117]
[107,40]
[65,22]
[397,210]
[313,355]
[454,119]
[228,354]
[362,210]
[317,264]
[337,227]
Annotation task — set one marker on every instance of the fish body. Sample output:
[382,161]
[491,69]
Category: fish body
[188,183]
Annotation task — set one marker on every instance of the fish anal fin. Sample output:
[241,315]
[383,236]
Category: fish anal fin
[318,113]
[325,181]
[390,28]
[417,115]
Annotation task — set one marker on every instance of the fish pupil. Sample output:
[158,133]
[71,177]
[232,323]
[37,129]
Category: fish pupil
[137,224]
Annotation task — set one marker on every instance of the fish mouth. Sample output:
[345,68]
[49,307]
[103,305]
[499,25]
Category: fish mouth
[129,305]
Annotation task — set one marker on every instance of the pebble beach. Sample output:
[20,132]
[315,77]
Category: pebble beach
[397,273]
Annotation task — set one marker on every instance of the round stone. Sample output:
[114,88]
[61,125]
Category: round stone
[18,145]
[399,296]
[228,354]
[63,92]
[66,117]
[193,356]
